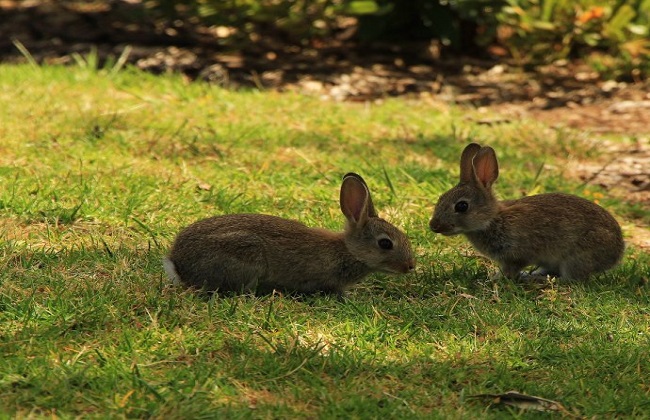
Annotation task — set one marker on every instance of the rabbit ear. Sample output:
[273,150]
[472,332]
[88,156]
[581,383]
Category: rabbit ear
[466,168]
[356,203]
[486,168]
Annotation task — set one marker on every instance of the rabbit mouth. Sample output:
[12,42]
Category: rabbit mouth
[447,232]
[402,268]
[443,229]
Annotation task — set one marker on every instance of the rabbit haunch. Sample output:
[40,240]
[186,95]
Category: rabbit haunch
[256,252]
[563,234]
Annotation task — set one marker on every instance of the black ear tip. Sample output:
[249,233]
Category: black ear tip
[471,150]
[355,176]
[473,147]
[487,150]
[352,175]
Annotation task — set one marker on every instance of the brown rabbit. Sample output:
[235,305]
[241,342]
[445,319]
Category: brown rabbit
[260,253]
[563,234]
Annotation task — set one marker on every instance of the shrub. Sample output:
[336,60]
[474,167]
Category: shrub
[612,35]
[538,31]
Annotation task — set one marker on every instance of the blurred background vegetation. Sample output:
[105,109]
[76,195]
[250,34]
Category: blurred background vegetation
[612,36]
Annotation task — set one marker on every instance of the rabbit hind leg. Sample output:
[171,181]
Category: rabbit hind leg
[512,269]
[547,270]
[242,275]
[575,270]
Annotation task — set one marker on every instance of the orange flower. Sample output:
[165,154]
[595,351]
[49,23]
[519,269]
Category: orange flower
[595,12]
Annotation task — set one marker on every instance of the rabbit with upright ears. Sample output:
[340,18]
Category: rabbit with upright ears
[564,235]
[261,253]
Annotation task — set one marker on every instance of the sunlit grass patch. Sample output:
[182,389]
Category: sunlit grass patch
[101,172]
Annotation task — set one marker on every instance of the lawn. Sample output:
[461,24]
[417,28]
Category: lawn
[99,170]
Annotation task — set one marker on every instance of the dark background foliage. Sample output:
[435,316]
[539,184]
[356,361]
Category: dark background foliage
[612,35]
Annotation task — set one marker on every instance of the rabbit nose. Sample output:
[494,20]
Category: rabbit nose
[435,225]
[410,265]
[440,227]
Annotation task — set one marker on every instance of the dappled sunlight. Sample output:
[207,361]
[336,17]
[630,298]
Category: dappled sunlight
[100,176]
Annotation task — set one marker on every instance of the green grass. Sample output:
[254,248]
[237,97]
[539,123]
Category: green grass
[99,170]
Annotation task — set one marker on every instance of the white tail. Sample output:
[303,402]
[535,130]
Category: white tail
[170,269]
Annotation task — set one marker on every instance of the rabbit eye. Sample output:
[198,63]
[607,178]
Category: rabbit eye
[461,207]
[385,243]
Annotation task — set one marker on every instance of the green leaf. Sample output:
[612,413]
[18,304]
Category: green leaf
[616,25]
[641,30]
[545,26]
[547,10]
[362,7]
[592,39]
[644,8]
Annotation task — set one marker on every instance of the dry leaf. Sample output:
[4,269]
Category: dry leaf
[523,401]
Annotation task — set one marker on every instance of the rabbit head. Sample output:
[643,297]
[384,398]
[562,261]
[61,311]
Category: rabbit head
[370,239]
[470,205]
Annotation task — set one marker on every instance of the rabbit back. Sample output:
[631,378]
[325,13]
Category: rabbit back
[248,252]
[255,252]
[563,234]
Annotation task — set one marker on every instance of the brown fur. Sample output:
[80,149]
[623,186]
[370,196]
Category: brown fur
[562,234]
[255,252]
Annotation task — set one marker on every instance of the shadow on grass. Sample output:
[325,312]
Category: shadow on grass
[415,346]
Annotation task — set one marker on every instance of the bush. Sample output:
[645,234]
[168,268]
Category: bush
[297,20]
[612,35]
[538,31]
